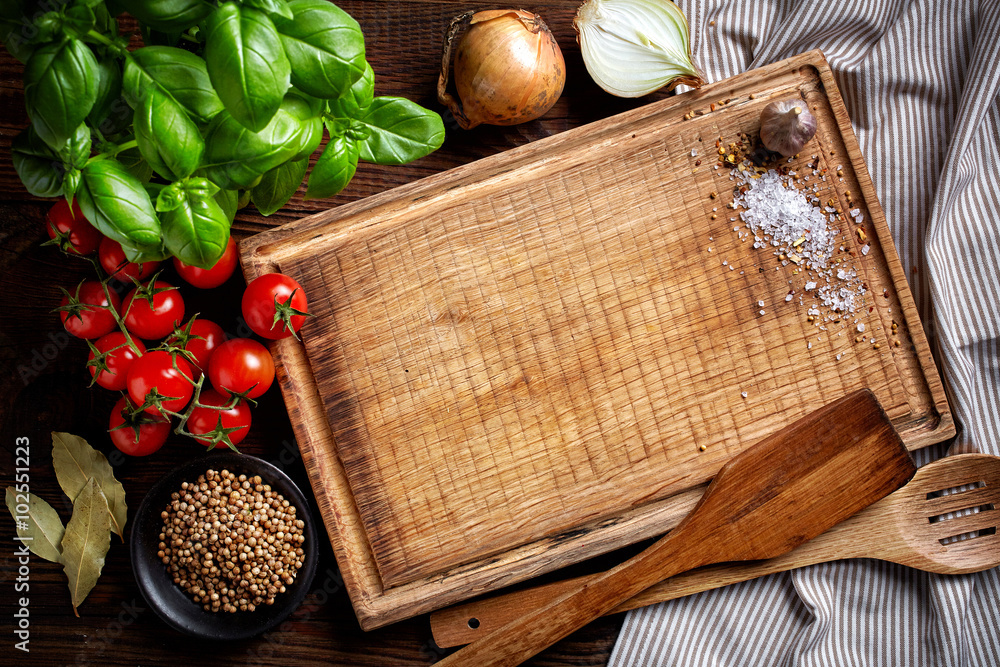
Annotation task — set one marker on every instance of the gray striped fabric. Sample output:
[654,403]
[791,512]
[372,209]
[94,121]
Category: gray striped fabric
[921,79]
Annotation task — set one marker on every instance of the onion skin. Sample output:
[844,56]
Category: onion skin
[508,69]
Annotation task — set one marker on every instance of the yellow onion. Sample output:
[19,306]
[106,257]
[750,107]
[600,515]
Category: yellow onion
[508,68]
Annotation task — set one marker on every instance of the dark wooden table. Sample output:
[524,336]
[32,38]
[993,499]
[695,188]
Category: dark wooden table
[44,386]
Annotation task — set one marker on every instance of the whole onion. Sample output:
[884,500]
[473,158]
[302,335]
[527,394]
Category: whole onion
[508,68]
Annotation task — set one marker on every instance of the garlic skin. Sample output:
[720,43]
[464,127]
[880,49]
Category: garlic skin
[634,47]
[786,126]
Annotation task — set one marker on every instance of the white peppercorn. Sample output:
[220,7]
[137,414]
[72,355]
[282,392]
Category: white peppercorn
[223,517]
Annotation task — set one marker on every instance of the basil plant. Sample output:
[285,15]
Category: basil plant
[224,104]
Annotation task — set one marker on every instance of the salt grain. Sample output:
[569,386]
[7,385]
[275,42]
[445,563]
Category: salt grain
[781,216]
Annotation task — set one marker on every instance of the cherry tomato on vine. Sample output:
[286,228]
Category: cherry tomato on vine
[86,313]
[156,320]
[115,264]
[241,366]
[75,232]
[217,421]
[136,435]
[274,306]
[160,379]
[199,337]
[110,358]
[213,277]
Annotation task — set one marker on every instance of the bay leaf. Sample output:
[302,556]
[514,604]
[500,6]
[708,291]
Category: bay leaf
[76,462]
[42,529]
[86,542]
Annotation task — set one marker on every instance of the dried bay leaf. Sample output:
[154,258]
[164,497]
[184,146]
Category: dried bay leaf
[41,530]
[76,462]
[86,542]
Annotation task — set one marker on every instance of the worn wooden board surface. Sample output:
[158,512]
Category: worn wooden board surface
[544,355]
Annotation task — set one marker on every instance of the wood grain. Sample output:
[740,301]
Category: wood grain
[767,500]
[515,364]
[897,529]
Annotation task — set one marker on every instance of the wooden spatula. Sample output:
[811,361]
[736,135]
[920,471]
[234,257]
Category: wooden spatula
[915,526]
[786,489]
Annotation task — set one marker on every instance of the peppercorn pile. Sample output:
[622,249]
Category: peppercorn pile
[231,542]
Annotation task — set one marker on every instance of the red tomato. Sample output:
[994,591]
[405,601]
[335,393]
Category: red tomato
[207,419]
[115,265]
[78,235]
[200,338]
[86,313]
[241,365]
[271,295]
[117,356]
[154,374]
[213,277]
[159,320]
[152,430]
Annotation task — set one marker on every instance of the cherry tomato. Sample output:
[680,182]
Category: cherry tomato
[115,265]
[118,357]
[241,365]
[270,294]
[159,320]
[200,338]
[207,419]
[213,277]
[85,313]
[79,235]
[152,430]
[154,373]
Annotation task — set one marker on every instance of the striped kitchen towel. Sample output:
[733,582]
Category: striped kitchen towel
[921,79]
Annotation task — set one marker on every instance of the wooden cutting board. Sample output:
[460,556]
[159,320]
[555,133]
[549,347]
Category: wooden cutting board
[546,354]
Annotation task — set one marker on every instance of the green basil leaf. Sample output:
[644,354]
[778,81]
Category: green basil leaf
[167,138]
[115,202]
[168,15]
[243,200]
[60,88]
[228,201]
[169,197]
[70,184]
[78,20]
[246,64]
[178,73]
[324,45]
[302,105]
[271,7]
[357,98]
[401,131]
[334,169]
[309,138]
[39,168]
[277,186]
[235,157]
[77,148]
[109,89]
[145,254]
[197,231]
[135,164]
[307,110]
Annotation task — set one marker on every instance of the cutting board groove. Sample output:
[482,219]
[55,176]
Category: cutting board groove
[546,354]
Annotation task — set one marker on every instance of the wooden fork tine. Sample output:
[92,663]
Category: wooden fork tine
[964,524]
[954,502]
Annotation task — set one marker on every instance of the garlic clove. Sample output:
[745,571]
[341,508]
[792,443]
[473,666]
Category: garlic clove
[786,126]
[634,47]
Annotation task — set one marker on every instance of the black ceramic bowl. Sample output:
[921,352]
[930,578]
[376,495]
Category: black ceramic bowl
[168,600]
